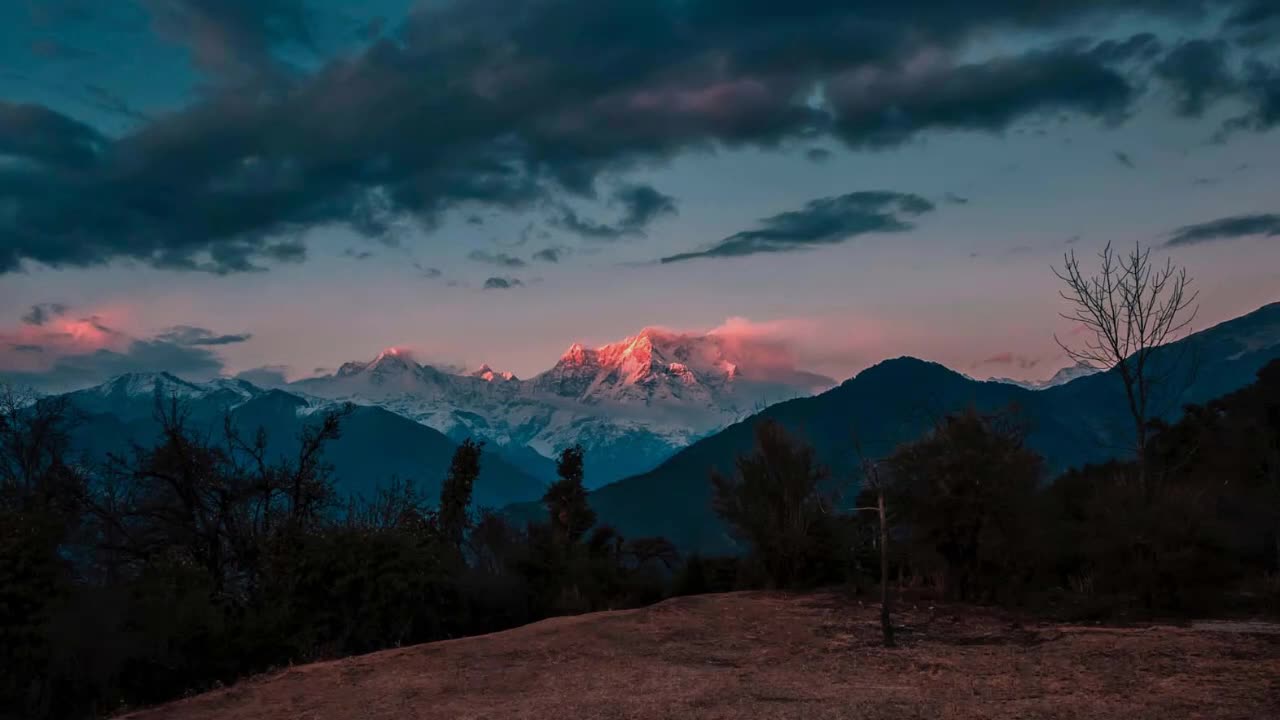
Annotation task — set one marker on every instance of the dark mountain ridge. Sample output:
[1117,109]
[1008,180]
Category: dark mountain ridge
[1082,421]
[375,446]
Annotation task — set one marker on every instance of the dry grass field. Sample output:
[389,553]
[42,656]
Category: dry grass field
[773,655]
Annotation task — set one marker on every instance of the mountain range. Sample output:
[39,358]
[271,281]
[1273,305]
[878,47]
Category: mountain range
[375,446]
[655,413]
[1062,377]
[630,404]
[1076,422]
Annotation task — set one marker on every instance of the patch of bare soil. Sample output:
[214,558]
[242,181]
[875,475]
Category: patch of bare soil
[774,655]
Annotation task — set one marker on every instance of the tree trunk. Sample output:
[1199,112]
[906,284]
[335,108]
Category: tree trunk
[1143,480]
[886,620]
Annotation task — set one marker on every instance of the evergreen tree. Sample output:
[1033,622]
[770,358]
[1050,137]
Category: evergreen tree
[455,494]
[566,499]
[965,492]
[775,503]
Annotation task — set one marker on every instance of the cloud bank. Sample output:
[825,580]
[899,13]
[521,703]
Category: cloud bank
[541,99]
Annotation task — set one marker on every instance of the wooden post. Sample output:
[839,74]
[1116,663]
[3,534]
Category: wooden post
[886,623]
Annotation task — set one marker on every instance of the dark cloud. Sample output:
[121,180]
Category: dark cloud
[496,259]
[531,231]
[642,204]
[138,356]
[96,352]
[41,136]
[1142,46]
[1124,159]
[110,102]
[1198,73]
[427,272]
[268,376]
[1226,229]
[552,254]
[198,336]
[1260,89]
[818,155]
[43,312]
[501,283]
[508,104]
[955,199]
[1255,13]
[639,204]
[886,108]
[357,254]
[233,39]
[91,368]
[1255,23]
[825,221]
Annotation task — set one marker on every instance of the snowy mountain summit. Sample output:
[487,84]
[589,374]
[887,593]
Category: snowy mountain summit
[658,367]
[1062,377]
[630,403]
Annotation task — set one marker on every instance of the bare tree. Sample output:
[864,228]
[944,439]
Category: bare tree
[1128,309]
[35,446]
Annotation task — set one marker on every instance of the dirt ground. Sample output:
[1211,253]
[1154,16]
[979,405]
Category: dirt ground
[773,655]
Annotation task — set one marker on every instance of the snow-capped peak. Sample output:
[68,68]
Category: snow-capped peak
[655,384]
[147,383]
[660,366]
[393,358]
[488,374]
[1062,377]
[576,355]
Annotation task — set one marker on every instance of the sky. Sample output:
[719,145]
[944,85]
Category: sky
[274,187]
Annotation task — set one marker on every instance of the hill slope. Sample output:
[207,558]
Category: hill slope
[1082,421]
[752,655]
[375,444]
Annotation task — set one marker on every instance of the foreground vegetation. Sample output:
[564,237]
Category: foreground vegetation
[1193,527]
[202,559]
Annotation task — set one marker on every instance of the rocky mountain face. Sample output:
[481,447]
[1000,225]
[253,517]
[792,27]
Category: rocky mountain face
[630,404]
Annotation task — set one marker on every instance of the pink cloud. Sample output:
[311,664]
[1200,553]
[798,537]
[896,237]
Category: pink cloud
[1024,362]
[60,337]
[836,346]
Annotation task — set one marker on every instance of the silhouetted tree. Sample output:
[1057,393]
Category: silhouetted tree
[455,493]
[566,499]
[203,557]
[1128,310]
[965,491]
[1204,531]
[775,503]
[39,514]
